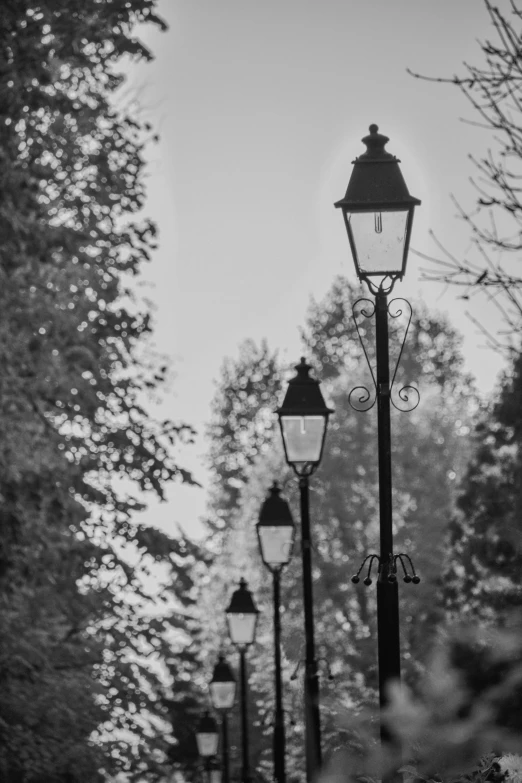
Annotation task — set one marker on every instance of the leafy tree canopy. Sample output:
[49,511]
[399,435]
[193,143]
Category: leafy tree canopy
[79,697]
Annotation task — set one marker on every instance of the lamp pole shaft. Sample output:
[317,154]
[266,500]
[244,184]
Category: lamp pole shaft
[244,717]
[224,749]
[388,640]
[312,715]
[279,721]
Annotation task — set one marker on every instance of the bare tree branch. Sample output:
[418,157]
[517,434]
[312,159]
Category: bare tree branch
[494,91]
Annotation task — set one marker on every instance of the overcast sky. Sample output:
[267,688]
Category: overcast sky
[261,107]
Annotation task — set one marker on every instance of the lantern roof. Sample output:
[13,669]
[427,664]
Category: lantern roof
[275,511]
[303,395]
[242,601]
[376,182]
[222,671]
[207,724]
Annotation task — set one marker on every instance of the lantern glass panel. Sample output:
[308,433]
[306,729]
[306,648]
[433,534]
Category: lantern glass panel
[303,437]
[276,543]
[379,239]
[222,695]
[207,743]
[241,627]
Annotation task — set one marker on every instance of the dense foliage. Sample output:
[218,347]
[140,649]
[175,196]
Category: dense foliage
[241,422]
[485,554]
[78,697]
[461,724]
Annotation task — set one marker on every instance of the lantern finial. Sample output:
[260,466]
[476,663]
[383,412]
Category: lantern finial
[375,144]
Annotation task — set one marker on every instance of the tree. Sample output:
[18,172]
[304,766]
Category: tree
[187,695]
[79,696]
[241,423]
[462,721]
[494,90]
[485,556]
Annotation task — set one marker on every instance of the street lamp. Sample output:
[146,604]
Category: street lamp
[303,418]
[378,214]
[215,772]
[222,695]
[242,616]
[207,739]
[207,736]
[276,533]
[378,211]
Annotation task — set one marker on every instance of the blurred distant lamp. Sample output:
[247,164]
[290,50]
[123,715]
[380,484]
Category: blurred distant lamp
[276,532]
[222,686]
[207,736]
[378,211]
[222,695]
[215,774]
[242,616]
[303,418]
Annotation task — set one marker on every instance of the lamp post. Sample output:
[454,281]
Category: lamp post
[242,616]
[207,738]
[303,418]
[222,695]
[378,213]
[276,533]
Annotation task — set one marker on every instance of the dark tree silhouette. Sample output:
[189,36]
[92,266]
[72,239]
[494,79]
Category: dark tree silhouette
[485,552]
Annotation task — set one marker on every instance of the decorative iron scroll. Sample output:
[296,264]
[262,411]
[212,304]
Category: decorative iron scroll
[407,391]
[366,399]
[361,398]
